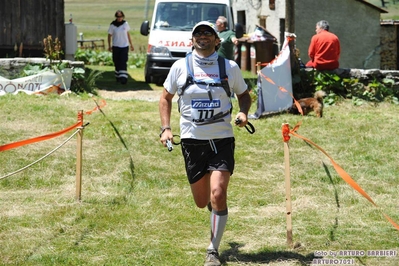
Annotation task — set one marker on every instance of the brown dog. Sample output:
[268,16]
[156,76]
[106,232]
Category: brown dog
[310,104]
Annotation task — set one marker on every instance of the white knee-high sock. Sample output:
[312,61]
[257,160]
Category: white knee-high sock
[218,224]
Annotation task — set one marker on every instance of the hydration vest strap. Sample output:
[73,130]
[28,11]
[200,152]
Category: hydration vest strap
[190,76]
[190,80]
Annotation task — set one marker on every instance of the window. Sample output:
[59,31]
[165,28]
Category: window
[272,4]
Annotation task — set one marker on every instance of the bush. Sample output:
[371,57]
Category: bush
[104,58]
[305,83]
[82,80]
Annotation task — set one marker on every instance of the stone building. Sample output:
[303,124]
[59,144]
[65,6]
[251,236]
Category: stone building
[355,22]
[389,45]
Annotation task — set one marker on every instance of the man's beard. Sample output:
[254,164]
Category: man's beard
[203,45]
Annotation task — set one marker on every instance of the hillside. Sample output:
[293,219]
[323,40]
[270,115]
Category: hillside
[392,6]
[92,17]
[95,23]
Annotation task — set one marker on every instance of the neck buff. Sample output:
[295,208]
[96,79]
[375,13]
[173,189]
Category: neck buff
[201,61]
[116,23]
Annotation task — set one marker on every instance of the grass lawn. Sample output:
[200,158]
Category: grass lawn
[92,18]
[145,215]
[136,206]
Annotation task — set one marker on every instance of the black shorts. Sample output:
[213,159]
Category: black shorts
[201,156]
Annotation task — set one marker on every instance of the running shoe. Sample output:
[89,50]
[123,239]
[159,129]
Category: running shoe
[212,258]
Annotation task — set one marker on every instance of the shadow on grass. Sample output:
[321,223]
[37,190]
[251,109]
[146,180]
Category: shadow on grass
[234,255]
[108,82]
[131,163]
[335,225]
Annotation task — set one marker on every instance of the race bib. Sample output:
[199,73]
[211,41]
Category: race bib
[202,109]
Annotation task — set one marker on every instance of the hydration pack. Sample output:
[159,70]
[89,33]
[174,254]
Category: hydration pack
[191,80]
[223,83]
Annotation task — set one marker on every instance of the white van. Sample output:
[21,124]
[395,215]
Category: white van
[170,31]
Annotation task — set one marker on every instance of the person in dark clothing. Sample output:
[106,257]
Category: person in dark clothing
[228,39]
[118,33]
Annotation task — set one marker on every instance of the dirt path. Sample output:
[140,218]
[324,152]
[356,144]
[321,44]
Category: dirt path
[151,96]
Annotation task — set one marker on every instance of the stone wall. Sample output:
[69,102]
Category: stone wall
[15,65]
[368,75]
[389,45]
[10,67]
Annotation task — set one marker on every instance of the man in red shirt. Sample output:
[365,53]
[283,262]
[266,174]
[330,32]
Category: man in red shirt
[324,49]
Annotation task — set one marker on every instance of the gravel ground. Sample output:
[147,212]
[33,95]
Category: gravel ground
[151,96]
[143,95]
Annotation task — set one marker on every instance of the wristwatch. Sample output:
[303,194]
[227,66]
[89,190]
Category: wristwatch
[163,130]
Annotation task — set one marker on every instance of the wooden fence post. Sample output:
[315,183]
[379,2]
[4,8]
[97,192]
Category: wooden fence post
[79,158]
[285,131]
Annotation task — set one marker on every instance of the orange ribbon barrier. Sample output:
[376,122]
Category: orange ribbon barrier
[98,106]
[42,138]
[52,135]
[298,106]
[341,172]
[286,131]
[289,38]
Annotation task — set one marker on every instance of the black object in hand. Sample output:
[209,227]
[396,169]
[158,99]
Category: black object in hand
[169,145]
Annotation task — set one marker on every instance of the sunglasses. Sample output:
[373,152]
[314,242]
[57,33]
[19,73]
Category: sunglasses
[119,16]
[206,33]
